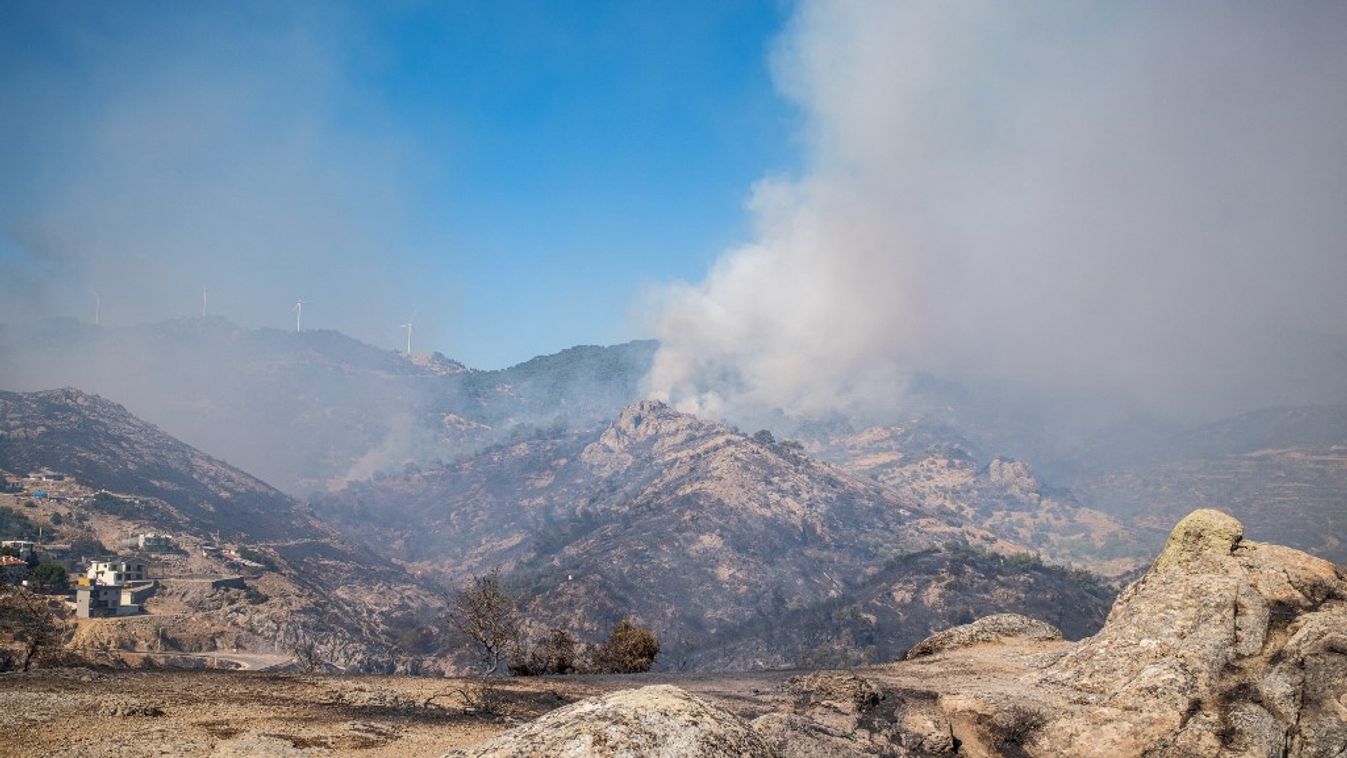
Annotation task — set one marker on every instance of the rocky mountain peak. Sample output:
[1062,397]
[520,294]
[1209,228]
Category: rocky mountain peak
[653,417]
[72,395]
[1012,475]
[645,428]
[437,363]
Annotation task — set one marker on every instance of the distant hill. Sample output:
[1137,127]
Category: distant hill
[347,601]
[699,531]
[102,445]
[1003,495]
[1282,471]
[316,411]
[307,411]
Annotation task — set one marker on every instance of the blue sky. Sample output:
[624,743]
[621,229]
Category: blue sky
[519,173]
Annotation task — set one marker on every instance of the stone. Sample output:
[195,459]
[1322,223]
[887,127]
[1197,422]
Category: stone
[1226,647]
[659,721]
[994,628]
[1201,539]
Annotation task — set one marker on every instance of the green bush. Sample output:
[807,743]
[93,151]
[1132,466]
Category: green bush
[630,650]
[115,506]
[50,577]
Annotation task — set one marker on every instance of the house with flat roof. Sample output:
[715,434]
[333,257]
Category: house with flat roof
[98,601]
[116,571]
[155,543]
[46,475]
[109,600]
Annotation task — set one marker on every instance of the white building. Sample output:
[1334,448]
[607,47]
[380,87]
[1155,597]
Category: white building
[115,572]
[103,601]
[46,475]
[154,542]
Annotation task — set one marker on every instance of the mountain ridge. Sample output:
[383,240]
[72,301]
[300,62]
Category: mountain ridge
[625,520]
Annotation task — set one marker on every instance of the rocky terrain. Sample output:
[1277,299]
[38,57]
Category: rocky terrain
[307,587]
[1282,471]
[99,443]
[1084,484]
[791,559]
[845,549]
[1225,647]
[1002,495]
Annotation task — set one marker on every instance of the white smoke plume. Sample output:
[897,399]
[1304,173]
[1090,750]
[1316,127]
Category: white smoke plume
[1144,201]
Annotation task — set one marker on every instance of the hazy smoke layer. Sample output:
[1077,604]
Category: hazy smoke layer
[224,147]
[1143,201]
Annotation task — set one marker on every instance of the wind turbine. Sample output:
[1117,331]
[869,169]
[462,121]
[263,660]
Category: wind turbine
[98,305]
[408,327]
[299,311]
[203,302]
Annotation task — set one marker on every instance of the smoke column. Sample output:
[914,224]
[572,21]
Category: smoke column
[1139,201]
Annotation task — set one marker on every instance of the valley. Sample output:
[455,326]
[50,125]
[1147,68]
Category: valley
[842,548]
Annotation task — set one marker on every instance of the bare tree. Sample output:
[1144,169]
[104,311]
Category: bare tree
[488,615]
[307,657]
[28,620]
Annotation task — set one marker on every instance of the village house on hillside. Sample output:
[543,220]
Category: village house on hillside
[115,571]
[113,587]
[101,601]
[155,543]
[46,475]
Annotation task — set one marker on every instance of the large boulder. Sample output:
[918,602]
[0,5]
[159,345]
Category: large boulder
[836,715]
[660,721]
[1225,647]
[997,627]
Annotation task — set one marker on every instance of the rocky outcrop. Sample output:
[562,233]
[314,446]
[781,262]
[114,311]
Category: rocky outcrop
[659,721]
[993,628]
[1226,647]
[832,714]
